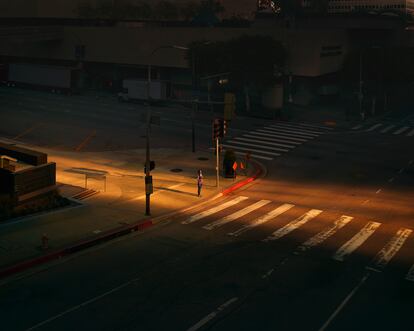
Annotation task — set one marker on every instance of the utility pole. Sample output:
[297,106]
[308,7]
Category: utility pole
[217,163]
[194,105]
[148,177]
[361,112]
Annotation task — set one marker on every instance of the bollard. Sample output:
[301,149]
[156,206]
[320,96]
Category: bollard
[45,241]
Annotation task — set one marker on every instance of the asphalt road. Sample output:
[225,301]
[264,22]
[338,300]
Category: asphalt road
[86,123]
[322,243]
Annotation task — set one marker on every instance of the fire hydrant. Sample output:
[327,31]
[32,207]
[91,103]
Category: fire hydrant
[45,241]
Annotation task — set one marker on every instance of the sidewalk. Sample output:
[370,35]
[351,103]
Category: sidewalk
[122,204]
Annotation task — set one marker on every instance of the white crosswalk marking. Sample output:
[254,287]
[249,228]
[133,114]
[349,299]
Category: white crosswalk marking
[290,132]
[274,139]
[307,130]
[258,132]
[264,142]
[411,133]
[214,210]
[325,234]
[236,215]
[410,274]
[293,225]
[285,134]
[263,219]
[391,248]
[405,128]
[388,128]
[258,146]
[372,128]
[357,127]
[356,241]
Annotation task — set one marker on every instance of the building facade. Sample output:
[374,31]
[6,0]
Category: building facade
[349,6]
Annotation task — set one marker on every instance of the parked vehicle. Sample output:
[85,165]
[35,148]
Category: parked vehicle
[134,89]
[56,78]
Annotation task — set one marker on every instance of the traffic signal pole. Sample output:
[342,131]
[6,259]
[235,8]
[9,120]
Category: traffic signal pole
[147,154]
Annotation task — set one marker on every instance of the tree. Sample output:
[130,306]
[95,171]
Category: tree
[251,61]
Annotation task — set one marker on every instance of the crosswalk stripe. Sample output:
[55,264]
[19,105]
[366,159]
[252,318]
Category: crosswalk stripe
[290,127]
[293,225]
[391,248]
[253,156]
[254,136]
[286,135]
[264,142]
[356,241]
[316,126]
[294,132]
[249,149]
[227,219]
[411,133]
[325,234]
[263,219]
[388,128]
[405,128]
[280,136]
[214,210]
[257,146]
[410,274]
[372,128]
[357,127]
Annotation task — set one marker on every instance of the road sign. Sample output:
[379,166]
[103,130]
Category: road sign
[235,166]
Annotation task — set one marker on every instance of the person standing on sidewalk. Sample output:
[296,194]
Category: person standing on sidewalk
[199,181]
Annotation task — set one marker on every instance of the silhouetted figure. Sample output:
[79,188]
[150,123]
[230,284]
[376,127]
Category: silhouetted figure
[199,182]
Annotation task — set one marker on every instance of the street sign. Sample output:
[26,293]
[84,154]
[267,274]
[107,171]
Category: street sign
[148,185]
[235,166]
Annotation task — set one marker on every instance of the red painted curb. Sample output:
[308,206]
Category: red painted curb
[106,236]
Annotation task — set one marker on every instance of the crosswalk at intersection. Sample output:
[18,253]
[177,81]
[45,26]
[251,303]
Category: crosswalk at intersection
[271,141]
[238,216]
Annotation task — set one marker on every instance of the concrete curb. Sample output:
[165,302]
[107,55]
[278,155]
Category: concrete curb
[120,231]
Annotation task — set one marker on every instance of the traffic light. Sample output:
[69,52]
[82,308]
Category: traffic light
[219,128]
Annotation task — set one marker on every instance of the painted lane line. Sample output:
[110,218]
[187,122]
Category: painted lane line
[212,315]
[286,134]
[214,210]
[258,146]
[357,127]
[253,136]
[405,128]
[293,225]
[314,126]
[391,180]
[293,132]
[85,141]
[296,129]
[325,234]
[388,128]
[410,274]
[344,303]
[356,241]
[264,142]
[249,149]
[365,202]
[86,303]
[378,191]
[26,132]
[390,249]
[278,136]
[411,133]
[372,128]
[267,274]
[263,219]
[238,214]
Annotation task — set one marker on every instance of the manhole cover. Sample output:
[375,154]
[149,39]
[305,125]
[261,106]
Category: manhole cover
[203,158]
[176,170]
